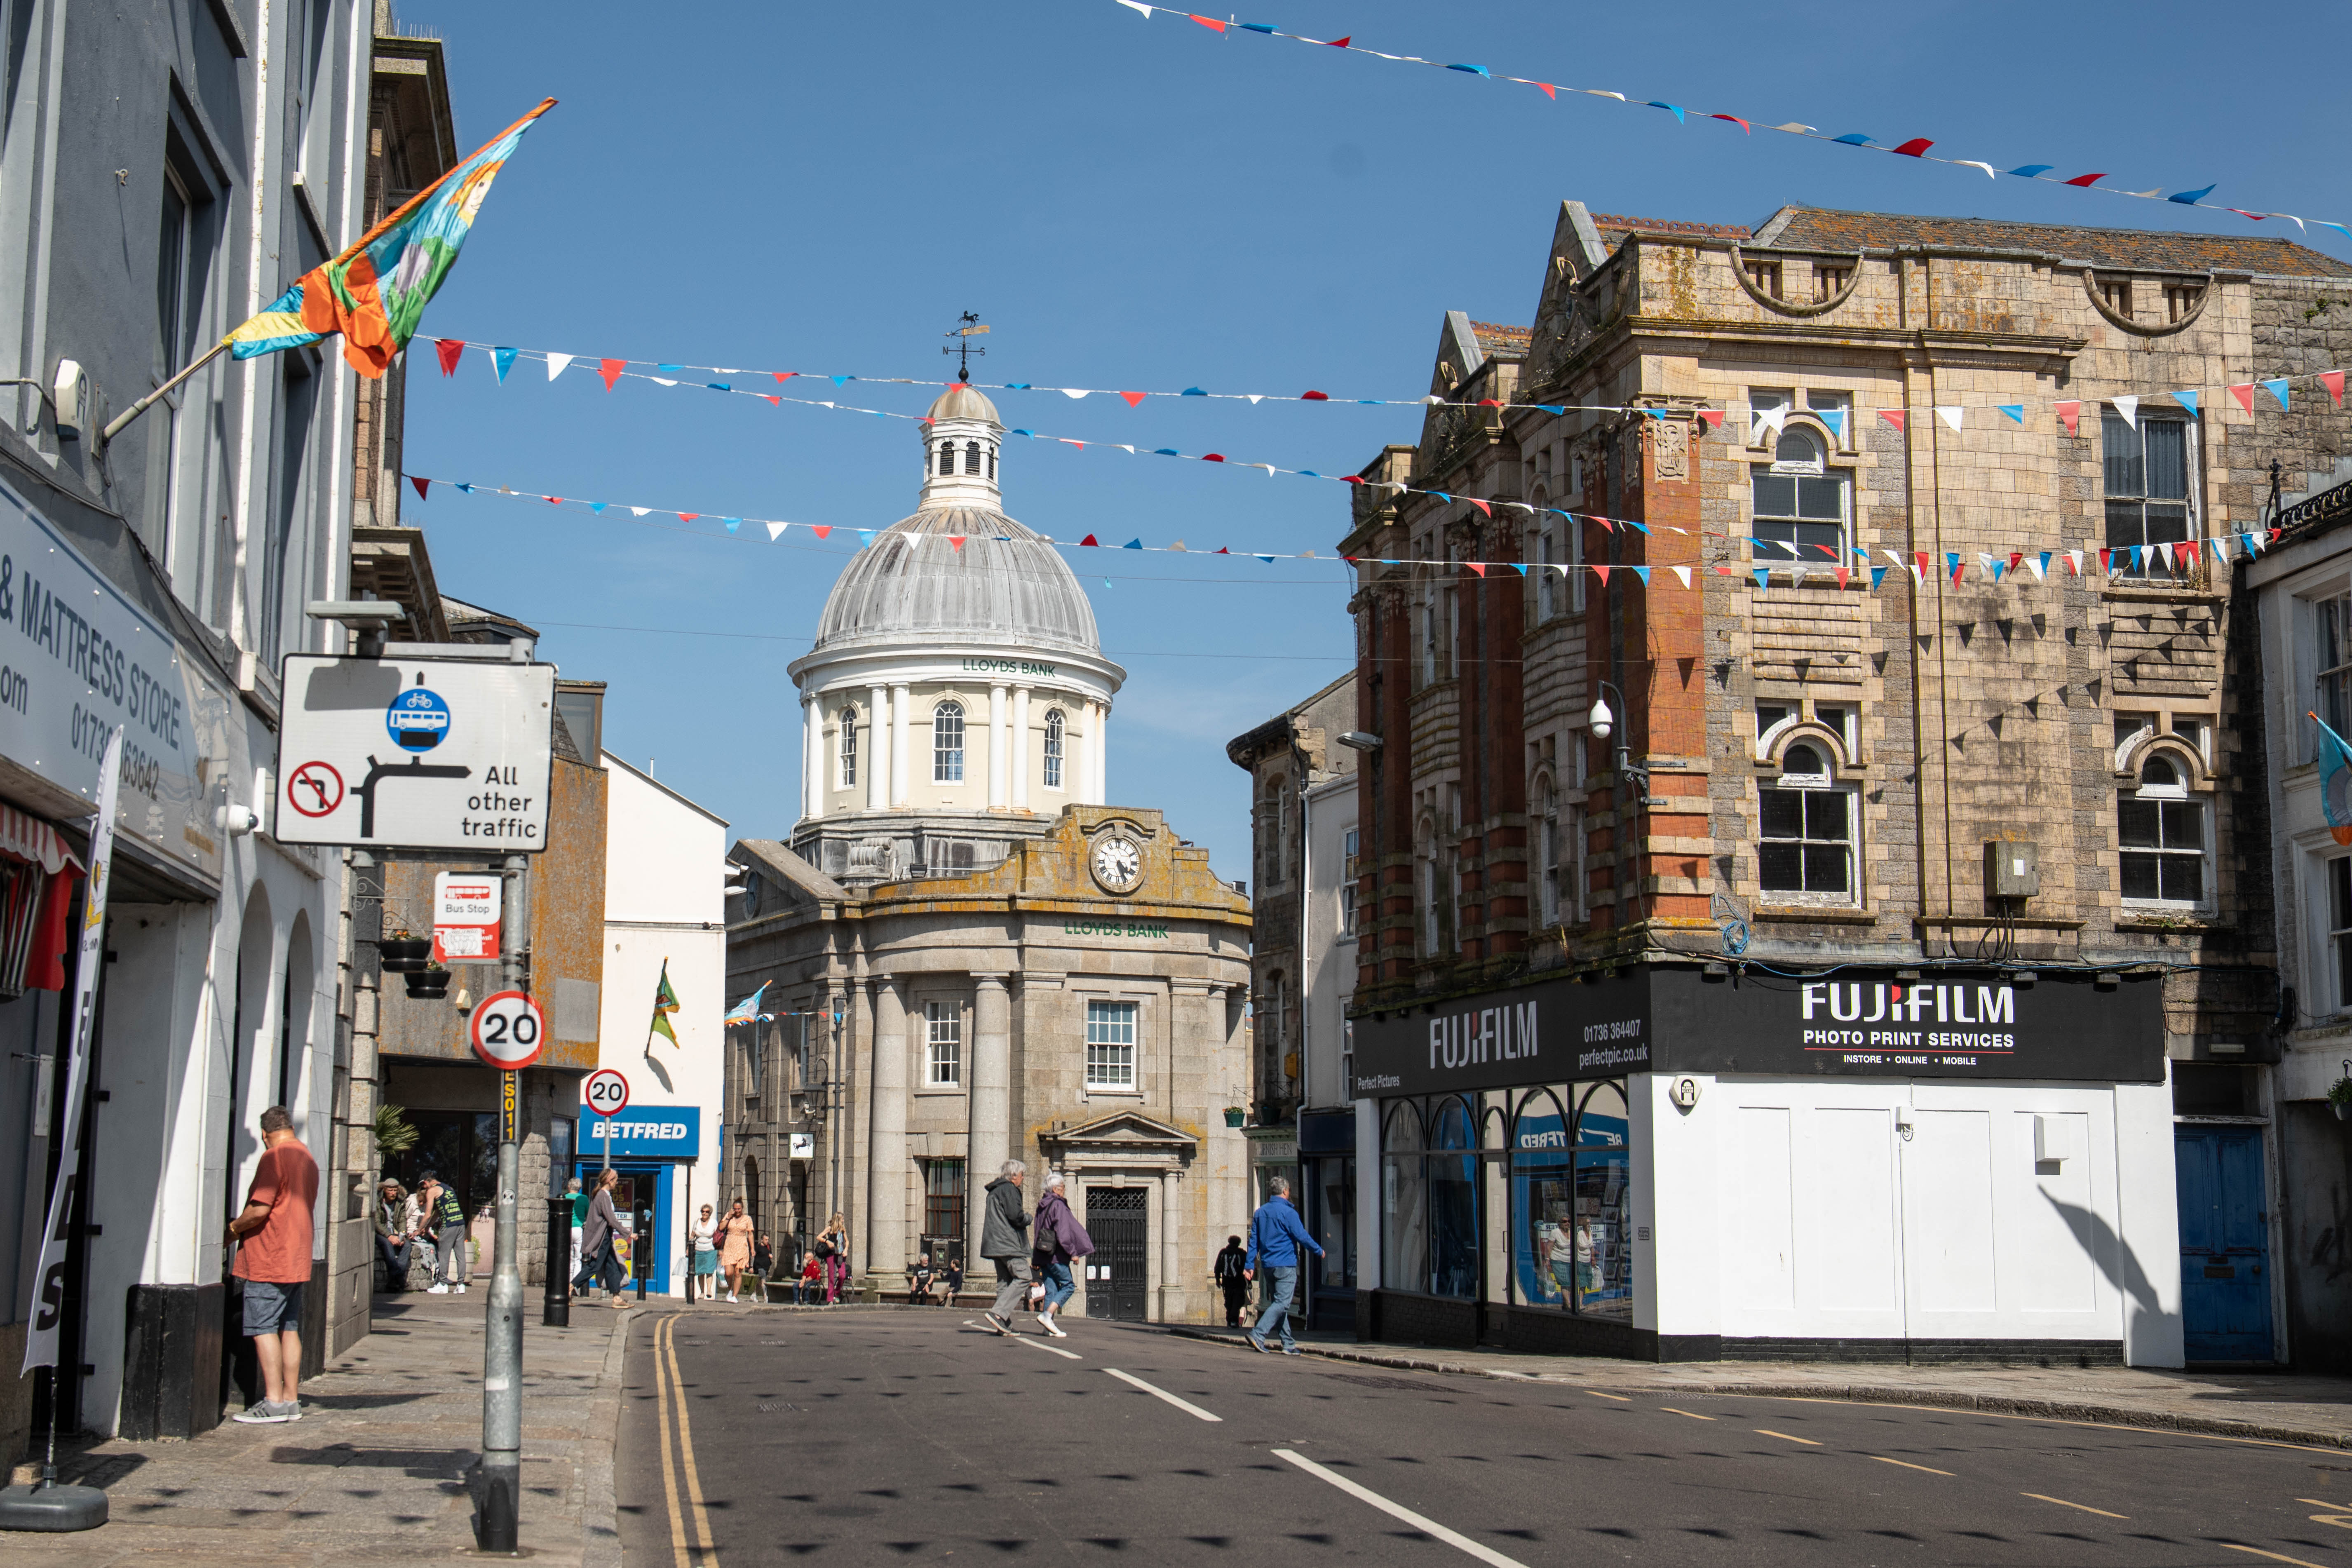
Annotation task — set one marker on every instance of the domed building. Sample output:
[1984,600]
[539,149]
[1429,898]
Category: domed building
[969,954]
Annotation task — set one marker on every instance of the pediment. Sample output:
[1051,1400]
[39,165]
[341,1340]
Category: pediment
[1123,1130]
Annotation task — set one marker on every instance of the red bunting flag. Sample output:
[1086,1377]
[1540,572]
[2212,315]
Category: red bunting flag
[1743,125]
[1090,539]
[449,349]
[957,540]
[2086,180]
[1714,418]
[1482,506]
[2014,557]
[1842,574]
[422,486]
[1339,43]
[1550,91]
[1213,458]
[2106,560]
[2245,393]
[771,398]
[1209,22]
[1894,416]
[1914,148]
[2334,381]
[1223,551]
[1314,397]
[783,376]
[554,501]
[1477,566]
[2188,547]
[1602,572]
[821,532]
[611,369]
[687,516]
[1134,398]
[2071,412]
[1921,556]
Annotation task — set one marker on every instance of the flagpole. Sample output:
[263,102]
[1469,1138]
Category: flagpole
[114,427]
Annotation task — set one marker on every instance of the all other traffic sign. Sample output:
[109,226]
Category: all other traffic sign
[605,1094]
[510,1031]
[416,753]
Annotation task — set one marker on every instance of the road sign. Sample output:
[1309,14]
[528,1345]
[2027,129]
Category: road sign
[510,1108]
[510,1031]
[416,753]
[465,912]
[606,1093]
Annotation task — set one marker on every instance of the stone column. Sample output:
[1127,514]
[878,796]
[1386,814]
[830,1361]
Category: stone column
[1177,1285]
[997,749]
[1020,748]
[878,748]
[1081,767]
[812,765]
[989,1093]
[899,705]
[885,1187]
[1102,755]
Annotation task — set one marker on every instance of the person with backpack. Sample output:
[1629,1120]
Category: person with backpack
[445,1222]
[1059,1238]
[1232,1275]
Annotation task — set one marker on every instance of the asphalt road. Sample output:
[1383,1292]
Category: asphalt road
[753,1436]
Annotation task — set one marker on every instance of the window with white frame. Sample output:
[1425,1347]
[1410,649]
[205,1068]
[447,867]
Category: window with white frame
[2332,662]
[1839,718]
[1054,728]
[1805,831]
[1110,1044]
[1802,508]
[1346,911]
[1548,594]
[943,1038]
[2339,930]
[1547,856]
[2160,828]
[946,743]
[2146,474]
[849,748]
[1763,404]
[1770,717]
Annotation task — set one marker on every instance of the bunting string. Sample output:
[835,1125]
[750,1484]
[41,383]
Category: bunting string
[1767,558]
[1916,147]
[451,352]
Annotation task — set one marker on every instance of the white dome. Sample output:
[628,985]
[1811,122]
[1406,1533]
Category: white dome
[1003,587]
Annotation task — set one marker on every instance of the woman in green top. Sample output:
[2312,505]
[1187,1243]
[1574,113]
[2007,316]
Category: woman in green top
[579,1217]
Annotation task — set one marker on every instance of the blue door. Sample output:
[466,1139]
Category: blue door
[2225,1288]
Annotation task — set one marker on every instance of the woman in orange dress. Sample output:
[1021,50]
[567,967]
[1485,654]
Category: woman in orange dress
[735,1245]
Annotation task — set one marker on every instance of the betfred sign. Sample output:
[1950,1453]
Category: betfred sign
[645,1132]
[466,914]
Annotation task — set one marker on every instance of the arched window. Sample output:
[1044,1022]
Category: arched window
[946,743]
[992,462]
[2160,829]
[849,748]
[947,457]
[1054,749]
[1805,849]
[971,457]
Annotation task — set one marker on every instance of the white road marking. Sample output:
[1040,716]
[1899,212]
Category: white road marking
[1042,1345]
[1460,1543]
[1186,1405]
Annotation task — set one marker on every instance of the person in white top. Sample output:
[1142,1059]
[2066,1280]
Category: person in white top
[706,1251]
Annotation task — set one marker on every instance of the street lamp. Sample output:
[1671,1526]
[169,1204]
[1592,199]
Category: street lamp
[1602,723]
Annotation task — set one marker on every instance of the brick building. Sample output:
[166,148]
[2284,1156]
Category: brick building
[1813,753]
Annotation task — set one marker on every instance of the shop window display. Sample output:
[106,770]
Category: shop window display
[1453,1204]
[1570,1200]
[1404,1206]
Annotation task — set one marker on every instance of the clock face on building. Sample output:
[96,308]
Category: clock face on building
[1117,863]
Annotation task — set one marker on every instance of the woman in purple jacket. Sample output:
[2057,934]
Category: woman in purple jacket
[1059,1237]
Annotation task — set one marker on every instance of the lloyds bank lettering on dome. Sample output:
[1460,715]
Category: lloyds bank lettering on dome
[1006,666]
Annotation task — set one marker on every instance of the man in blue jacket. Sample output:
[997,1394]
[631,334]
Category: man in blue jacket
[1275,1235]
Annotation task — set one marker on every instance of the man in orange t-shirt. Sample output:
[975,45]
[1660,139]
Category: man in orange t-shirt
[274,1261]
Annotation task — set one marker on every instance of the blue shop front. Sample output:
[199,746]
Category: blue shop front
[654,1147]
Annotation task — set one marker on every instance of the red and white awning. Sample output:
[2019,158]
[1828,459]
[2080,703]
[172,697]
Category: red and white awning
[27,837]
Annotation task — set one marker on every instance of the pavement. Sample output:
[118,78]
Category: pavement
[877,1436]
[377,1471]
[2275,1405]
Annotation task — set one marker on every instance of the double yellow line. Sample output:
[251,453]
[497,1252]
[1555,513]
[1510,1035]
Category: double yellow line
[669,1399]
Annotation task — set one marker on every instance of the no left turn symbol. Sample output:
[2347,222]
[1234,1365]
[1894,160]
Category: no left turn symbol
[314,789]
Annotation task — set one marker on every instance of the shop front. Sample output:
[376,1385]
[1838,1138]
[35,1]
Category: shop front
[1666,1163]
[654,1148]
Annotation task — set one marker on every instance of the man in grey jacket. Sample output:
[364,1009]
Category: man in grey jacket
[1004,1241]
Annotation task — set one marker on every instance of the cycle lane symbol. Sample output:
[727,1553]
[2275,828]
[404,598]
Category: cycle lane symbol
[314,789]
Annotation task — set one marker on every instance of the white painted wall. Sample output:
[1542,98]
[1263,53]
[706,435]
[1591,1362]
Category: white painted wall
[1800,1209]
[664,898]
[1330,962]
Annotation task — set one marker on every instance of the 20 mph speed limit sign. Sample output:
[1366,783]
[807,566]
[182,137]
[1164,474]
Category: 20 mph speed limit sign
[606,1093]
[510,1031]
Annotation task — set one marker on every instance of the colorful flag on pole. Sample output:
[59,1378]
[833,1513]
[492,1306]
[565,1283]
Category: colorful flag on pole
[376,292]
[747,1011]
[665,1004]
[2335,781]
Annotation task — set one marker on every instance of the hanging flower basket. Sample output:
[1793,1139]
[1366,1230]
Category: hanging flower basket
[1235,1115]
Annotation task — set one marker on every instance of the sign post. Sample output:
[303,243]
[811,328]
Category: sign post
[508,1032]
[607,1094]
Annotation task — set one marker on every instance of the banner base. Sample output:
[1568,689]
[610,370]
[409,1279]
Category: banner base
[52,1508]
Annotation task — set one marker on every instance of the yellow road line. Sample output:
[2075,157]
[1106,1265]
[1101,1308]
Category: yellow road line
[2323,1502]
[1598,1395]
[685,1448]
[1692,1413]
[1909,1465]
[2062,1502]
[2258,1551]
[682,1550]
[2150,1431]
[1786,1437]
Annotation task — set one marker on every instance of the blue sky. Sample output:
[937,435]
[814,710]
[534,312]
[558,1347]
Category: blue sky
[1148,205]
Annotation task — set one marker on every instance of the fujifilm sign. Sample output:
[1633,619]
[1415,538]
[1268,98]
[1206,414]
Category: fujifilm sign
[1896,1015]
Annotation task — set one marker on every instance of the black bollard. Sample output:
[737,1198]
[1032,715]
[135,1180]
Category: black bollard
[555,1312]
[641,1251]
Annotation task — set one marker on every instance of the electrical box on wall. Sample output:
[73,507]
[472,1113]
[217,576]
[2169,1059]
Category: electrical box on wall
[2012,869]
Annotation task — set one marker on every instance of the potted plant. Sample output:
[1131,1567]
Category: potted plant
[402,953]
[2340,1096]
[1235,1115]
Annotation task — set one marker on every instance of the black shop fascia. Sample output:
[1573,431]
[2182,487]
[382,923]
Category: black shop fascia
[2074,1026]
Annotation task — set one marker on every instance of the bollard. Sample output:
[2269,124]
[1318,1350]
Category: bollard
[641,1249]
[555,1310]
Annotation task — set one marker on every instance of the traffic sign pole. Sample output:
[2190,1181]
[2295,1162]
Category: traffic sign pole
[502,1333]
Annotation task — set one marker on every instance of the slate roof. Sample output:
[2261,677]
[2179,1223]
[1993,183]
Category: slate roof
[1497,339]
[1614,226]
[1824,228]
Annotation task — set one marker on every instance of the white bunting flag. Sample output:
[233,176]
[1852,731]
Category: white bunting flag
[556,363]
[1950,413]
[1680,572]
[2074,560]
[2039,563]
[776,530]
[2166,551]
[641,510]
[2129,408]
[1771,418]
[1075,392]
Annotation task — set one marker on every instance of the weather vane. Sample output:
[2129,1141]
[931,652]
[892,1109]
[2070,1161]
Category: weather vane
[972,327]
